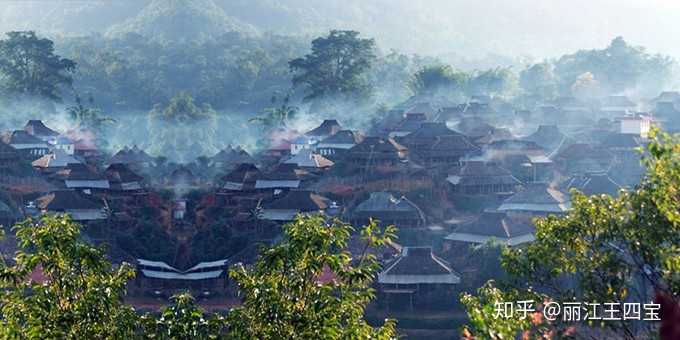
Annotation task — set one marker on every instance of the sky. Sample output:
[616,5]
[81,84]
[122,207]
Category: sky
[533,29]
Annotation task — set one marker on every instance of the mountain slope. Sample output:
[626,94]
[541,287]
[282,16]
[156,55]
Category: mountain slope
[177,20]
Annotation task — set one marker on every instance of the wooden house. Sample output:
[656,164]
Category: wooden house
[285,207]
[481,178]
[79,206]
[388,209]
[417,276]
[492,225]
[537,199]
[29,146]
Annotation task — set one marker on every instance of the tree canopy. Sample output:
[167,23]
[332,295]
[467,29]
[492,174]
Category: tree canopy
[336,66]
[29,66]
[624,249]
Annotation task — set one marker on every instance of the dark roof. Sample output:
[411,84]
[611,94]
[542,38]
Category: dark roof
[622,140]
[538,193]
[7,152]
[282,172]
[480,173]
[594,184]
[418,261]
[343,137]
[421,108]
[378,145]
[617,101]
[514,145]
[232,155]
[328,127]
[455,142]
[386,202]
[547,136]
[20,137]
[119,172]
[67,200]
[428,130]
[79,172]
[38,128]
[305,201]
[242,173]
[411,122]
[131,155]
[497,224]
[474,127]
[180,174]
[582,150]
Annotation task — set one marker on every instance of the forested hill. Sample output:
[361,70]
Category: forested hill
[179,20]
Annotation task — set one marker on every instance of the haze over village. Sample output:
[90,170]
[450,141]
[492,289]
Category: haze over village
[435,162]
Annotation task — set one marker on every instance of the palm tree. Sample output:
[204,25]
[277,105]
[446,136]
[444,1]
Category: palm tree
[275,117]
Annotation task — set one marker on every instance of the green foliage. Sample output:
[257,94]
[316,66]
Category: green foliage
[284,298]
[616,68]
[607,249]
[337,66]
[28,66]
[430,79]
[81,297]
[183,128]
[181,320]
[277,117]
[539,80]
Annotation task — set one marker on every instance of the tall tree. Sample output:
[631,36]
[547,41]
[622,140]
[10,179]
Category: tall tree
[81,293]
[284,296]
[337,66]
[618,250]
[29,66]
[434,78]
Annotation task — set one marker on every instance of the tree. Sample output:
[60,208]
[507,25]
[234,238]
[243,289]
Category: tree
[81,296]
[539,80]
[88,117]
[606,249]
[431,79]
[497,81]
[337,66]
[277,117]
[182,129]
[284,298]
[183,319]
[29,66]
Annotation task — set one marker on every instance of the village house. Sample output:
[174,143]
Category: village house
[301,143]
[28,145]
[623,145]
[204,276]
[537,199]
[283,177]
[79,206]
[612,106]
[230,156]
[336,146]
[548,137]
[377,154]
[327,128]
[310,161]
[241,178]
[55,161]
[388,209]
[122,178]
[82,177]
[492,225]
[637,124]
[10,158]
[417,276]
[39,130]
[285,207]
[481,178]
[64,144]
[411,122]
[593,184]
[134,157]
[436,144]
[481,132]
[581,158]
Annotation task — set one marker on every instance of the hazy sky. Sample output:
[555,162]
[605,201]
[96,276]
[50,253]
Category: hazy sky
[469,28]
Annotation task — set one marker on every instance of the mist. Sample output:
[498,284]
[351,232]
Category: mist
[466,33]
